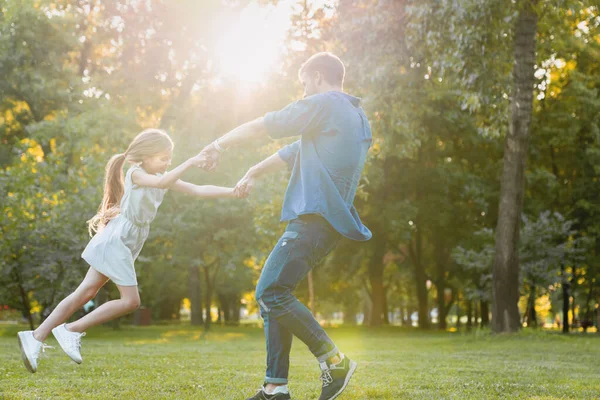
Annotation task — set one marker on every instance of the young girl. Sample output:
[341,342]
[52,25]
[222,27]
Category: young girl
[122,225]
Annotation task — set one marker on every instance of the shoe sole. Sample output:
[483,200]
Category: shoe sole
[353,366]
[24,355]
[64,350]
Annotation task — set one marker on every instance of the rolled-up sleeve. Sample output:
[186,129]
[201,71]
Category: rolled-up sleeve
[289,153]
[298,118]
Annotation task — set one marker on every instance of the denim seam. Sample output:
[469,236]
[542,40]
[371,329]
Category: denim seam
[317,338]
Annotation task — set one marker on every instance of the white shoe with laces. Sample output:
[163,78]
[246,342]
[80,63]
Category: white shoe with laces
[31,349]
[69,341]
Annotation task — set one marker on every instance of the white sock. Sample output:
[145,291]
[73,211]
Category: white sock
[278,389]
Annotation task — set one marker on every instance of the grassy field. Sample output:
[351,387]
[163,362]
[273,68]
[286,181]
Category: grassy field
[180,362]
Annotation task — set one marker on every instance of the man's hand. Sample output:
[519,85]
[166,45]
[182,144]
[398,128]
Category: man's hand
[210,156]
[245,185]
[198,160]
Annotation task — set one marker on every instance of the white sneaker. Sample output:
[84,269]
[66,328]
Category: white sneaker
[69,341]
[31,348]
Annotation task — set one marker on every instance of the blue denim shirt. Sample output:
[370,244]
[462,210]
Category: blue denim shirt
[328,159]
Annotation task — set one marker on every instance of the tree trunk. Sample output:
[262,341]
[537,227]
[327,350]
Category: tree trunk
[574,320]
[367,305]
[224,303]
[195,296]
[26,306]
[485,314]
[566,295]
[402,314]
[235,310]
[441,303]
[441,261]
[469,315]
[385,310]
[531,314]
[376,268]
[506,263]
[588,312]
[207,304]
[377,295]
[349,314]
[420,279]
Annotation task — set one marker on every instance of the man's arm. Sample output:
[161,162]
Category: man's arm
[270,164]
[296,119]
[249,131]
[245,132]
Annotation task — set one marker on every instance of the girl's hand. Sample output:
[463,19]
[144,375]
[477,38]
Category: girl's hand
[245,185]
[198,160]
[211,159]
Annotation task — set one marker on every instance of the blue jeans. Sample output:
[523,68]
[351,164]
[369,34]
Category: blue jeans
[305,242]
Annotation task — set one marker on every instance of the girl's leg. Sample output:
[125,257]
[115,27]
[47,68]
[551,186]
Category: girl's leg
[129,301]
[86,291]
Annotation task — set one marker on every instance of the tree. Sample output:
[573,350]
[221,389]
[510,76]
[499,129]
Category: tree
[505,294]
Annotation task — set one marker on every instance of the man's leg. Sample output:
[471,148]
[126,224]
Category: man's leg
[299,249]
[278,338]
[279,344]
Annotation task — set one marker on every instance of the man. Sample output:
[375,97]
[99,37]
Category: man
[326,166]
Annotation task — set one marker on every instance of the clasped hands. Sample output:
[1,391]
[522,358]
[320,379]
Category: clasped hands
[208,160]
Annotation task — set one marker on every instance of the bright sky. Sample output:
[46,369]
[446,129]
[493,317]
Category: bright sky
[252,47]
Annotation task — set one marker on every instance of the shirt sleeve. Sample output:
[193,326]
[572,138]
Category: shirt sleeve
[298,118]
[289,153]
[129,175]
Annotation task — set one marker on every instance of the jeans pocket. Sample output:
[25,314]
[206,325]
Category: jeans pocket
[287,237]
[276,262]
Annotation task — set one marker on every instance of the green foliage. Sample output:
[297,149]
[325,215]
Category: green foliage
[79,81]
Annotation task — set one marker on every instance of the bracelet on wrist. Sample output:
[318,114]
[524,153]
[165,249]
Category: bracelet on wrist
[218,146]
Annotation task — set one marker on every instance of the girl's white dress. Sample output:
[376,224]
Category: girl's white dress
[113,250]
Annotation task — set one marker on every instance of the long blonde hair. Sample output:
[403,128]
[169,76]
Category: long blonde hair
[148,143]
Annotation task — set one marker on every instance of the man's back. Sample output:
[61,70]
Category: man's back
[343,142]
[328,159]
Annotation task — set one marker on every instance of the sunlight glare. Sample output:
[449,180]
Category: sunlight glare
[250,48]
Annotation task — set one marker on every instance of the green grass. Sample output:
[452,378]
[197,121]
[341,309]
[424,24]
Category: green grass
[180,362]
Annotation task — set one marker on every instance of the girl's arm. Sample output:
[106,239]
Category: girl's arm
[165,181]
[204,191]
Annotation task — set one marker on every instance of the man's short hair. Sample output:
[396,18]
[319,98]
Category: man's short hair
[330,66]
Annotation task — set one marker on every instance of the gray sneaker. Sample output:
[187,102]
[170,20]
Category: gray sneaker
[335,377]
[261,395]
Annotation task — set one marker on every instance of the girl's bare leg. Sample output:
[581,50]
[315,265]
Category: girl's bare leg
[129,301]
[86,291]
